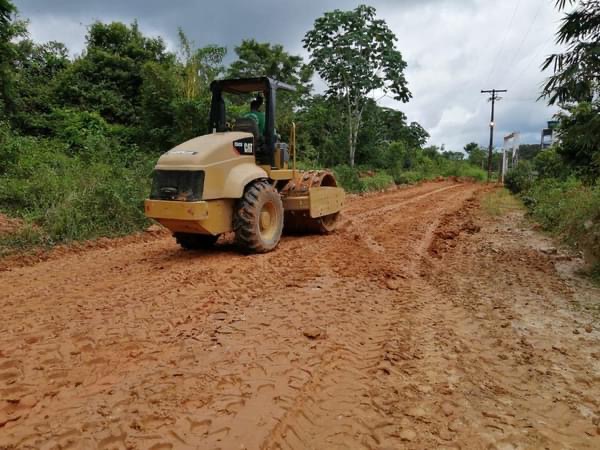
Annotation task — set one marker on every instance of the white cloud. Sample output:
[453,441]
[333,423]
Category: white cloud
[453,52]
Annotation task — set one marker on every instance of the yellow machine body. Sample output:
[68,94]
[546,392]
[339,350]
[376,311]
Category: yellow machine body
[320,201]
[241,174]
[202,217]
[227,172]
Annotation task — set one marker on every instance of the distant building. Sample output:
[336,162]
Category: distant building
[549,134]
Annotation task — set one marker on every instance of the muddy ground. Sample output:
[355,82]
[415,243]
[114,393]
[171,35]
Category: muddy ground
[423,323]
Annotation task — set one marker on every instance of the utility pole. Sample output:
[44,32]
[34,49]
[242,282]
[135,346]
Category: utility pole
[493,97]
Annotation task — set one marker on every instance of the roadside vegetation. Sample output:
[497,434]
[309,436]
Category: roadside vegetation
[565,206]
[500,202]
[79,135]
[560,185]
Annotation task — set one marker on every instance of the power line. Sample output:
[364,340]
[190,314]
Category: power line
[493,98]
[525,36]
[538,51]
[506,32]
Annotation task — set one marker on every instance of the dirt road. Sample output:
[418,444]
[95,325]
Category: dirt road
[423,323]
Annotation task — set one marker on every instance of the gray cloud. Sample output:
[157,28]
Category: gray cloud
[453,48]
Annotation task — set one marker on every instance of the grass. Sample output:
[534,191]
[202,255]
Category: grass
[63,197]
[571,211]
[567,209]
[500,202]
[26,238]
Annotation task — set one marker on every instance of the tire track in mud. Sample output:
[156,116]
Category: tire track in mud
[522,374]
[351,403]
[150,346]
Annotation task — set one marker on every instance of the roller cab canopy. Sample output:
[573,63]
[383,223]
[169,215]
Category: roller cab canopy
[248,85]
[268,87]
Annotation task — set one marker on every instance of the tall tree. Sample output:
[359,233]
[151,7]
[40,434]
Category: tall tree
[394,127]
[320,131]
[200,66]
[262,59]
[161,87]
[37,67]
[107,78]
[575,85]
[577,70]
[355,54]
[476,155]
[10,28]
[529,151]
[579,145]
[470,147]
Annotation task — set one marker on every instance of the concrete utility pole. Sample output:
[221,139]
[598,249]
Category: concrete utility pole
[493,97]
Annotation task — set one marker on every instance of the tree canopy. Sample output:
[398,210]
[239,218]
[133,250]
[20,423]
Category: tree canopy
[575,86]
[127,89]
[10,28]
[577,70]
[355,53]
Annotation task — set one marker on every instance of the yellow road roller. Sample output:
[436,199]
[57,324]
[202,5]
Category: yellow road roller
[242,178]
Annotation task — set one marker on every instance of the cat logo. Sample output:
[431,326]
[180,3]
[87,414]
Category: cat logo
[244,146]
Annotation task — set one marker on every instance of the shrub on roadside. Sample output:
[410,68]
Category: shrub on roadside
[72,197]
[348,178]
[376,182]
[520,179]
[351,180]
[549,164]
[407,177]
[461,169]
[569,209]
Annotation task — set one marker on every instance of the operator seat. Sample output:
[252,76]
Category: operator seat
[247,125]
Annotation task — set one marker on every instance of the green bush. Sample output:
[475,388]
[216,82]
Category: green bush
[462,169]
[520,179]
[72,197]
[351,180]
[376,182]
[569,209]
[549,164]
[348,178]
[408,177]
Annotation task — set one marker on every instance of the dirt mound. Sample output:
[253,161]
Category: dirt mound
[451,226]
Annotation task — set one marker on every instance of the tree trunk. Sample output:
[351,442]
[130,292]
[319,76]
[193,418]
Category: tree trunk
[351,147]
[355,121]
[354,118]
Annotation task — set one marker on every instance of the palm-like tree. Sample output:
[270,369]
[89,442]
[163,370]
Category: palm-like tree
[577,70]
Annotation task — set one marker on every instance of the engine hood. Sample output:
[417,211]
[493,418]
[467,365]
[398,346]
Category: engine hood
[203,151]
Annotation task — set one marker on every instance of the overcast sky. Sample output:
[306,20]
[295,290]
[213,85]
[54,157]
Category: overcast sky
[454,48]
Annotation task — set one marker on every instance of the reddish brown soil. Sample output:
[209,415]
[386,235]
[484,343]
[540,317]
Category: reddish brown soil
[422,323]
[9,225]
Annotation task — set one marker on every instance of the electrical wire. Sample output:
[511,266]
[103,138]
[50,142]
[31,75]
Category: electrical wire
[501,48]
[525,36]
[542,48]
